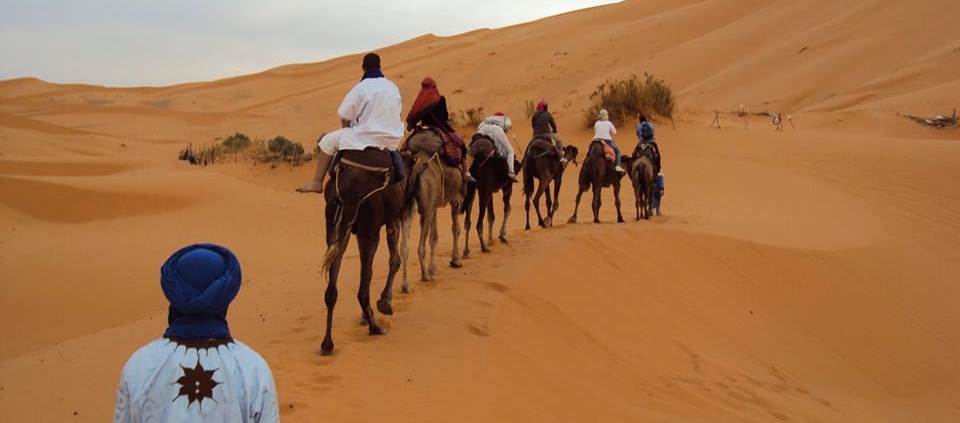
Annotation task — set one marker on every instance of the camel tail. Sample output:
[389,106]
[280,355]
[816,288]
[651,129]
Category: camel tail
[346,216]
[528,178]
[470,195]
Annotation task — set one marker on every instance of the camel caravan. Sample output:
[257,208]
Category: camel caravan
[384,172]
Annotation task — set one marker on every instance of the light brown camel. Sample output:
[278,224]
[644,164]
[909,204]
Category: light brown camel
[433,184]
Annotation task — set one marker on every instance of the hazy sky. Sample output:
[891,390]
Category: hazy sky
[160,42]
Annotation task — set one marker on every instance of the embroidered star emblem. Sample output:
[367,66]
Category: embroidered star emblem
[196,384]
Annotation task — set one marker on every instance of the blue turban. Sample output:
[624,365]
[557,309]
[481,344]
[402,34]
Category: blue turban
[200,281]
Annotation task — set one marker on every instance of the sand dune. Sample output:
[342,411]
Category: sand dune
[806,275]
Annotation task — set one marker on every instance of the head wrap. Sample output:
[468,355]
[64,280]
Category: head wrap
[371,66]
[604,115]
[428,97]
[498,114]
[542,106]
[200,281]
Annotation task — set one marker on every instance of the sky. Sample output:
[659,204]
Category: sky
[163,42]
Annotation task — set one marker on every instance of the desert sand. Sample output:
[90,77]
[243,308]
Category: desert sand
[809,275]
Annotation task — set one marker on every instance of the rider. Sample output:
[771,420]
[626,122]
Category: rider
[496,128]
[545,127]
[430,110]
[645,134]
[604,130]
[369,116]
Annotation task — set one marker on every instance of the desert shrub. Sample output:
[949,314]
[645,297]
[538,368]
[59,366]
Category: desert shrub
[529,107]
[627,98]
[236,142]
[277,150]
[473,117]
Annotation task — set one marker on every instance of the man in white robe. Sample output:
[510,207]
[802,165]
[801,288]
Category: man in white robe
[197,372]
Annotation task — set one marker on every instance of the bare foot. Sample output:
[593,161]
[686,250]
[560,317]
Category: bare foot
[314,187]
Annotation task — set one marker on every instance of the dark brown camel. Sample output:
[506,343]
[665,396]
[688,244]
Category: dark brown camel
[362,196]
[597,173]
[641,171]
[543,163]
[434,184]
[490,171]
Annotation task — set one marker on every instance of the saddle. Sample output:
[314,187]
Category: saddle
[432,140]
[608,153]
[372,159]
[493,151]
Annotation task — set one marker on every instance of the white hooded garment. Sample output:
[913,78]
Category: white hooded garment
[221,381]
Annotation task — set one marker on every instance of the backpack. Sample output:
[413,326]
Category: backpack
[646,131]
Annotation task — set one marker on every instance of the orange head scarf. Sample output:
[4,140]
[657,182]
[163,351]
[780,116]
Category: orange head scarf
[429,95]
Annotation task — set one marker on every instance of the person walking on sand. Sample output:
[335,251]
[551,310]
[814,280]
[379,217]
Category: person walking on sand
[604,130]
[369,116]
[197,372]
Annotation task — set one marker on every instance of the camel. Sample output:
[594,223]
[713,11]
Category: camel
[433,184]
[362,196]
[595,174]
[490,171]
[641,171]
[543,163]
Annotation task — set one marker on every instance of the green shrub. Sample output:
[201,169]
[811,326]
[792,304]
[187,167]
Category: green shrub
[626,99]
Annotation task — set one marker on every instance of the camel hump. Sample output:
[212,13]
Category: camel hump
[424,141]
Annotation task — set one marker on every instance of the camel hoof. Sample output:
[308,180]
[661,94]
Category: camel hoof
[572,220]
[620,220]
[547,222]
[596,220]
[503,239]
[527,228]
[406,289]
[466,254]
[456,264]
[326,348]
[485,249]
[377,330]
[384,307]
[426,278]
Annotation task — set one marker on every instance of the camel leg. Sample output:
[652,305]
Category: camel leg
[576,206]
[467,205]
[536,203]
[405,247]
[556,197]
[333,272]
[482,212]
[368,239]
[616,200]
[491,219]
[596,202]
[434,238]
[385,303]
[526,207]
[427,215]
[455,228]
[507,192]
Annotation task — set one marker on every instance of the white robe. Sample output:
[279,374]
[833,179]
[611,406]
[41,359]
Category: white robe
[167,382]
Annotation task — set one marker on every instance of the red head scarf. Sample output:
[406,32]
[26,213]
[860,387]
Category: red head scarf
[498,114]
[542,105]
[429,95]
